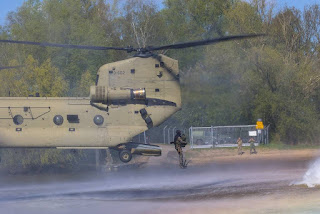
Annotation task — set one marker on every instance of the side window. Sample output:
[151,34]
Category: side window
[73,118]
[18,119]
[58,120]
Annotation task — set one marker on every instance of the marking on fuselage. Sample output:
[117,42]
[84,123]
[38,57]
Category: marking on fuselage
[30,112]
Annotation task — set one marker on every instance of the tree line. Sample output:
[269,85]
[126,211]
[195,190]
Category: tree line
[275,77]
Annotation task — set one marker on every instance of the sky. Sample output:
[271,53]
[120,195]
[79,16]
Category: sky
[300,4]
[11,5]
[7,6]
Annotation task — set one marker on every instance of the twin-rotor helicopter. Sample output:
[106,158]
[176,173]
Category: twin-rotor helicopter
[129,97]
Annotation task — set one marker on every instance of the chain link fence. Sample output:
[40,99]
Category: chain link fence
[226,136]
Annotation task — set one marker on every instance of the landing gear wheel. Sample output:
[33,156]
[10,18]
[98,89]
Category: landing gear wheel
[125,156]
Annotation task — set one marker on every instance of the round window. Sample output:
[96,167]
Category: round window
[58,120]
[18,119]
[98,120]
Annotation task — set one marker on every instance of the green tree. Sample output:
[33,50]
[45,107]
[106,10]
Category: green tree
[83,89]
[140,23]
[193,20]
[45,79]
[67,22]
[32,78]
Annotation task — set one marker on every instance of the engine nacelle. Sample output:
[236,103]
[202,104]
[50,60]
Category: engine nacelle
[103,94]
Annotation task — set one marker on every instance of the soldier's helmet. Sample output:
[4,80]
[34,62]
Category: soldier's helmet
[178,132]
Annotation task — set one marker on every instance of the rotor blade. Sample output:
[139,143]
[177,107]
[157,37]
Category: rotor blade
[45,44]
[10,67]
[203,42]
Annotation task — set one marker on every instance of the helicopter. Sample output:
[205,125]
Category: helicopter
[130,96]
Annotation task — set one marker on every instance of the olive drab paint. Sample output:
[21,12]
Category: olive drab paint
[130,97]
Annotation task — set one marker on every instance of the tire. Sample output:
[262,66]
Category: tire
[125,156]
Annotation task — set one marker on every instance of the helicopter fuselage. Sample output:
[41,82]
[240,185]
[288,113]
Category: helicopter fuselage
[129,97]
[78,129]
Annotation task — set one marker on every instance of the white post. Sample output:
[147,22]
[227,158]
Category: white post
[164,135]
[145,140]
[169,135]
[173,133]
[191,137]
[212,137]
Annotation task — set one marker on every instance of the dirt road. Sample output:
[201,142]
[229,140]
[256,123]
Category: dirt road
[215,182]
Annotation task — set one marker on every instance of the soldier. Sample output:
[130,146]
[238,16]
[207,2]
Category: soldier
[239,142]
[252,146]
[179,142]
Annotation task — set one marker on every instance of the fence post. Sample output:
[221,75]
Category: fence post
[164,134]
[168,135]
[144,135]
[217,135]
[268,134]
[212,136]
[191,137]
[173,133]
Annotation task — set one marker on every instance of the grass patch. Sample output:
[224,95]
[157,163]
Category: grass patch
[283,146]
[271,146]
[216,148]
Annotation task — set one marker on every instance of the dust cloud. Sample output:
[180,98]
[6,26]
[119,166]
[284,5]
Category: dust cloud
[159,187]
[312,177]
